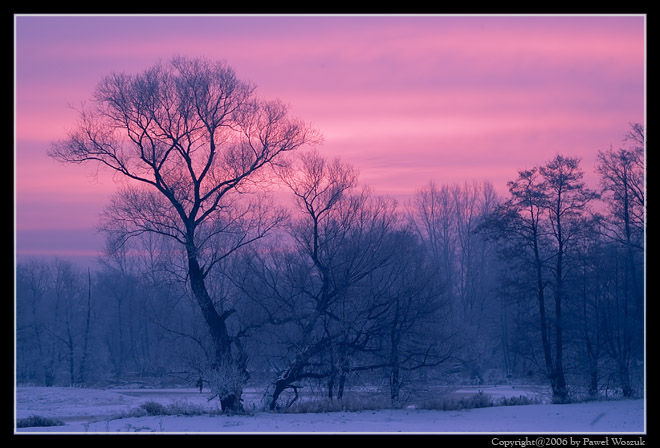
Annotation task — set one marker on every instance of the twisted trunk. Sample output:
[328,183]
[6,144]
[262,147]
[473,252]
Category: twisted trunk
[231,399]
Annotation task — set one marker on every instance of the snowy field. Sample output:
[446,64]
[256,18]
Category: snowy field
[96,410]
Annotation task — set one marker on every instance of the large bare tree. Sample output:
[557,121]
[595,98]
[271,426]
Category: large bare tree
[188,137]
[540,224]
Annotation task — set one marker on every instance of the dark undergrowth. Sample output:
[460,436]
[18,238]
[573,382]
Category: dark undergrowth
[447,402]
[34,421]
[153,408]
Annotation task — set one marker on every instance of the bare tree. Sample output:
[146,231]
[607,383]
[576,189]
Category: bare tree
[567,199]
[622,174]
[446,219]
[623,183]
[319,187]
[187,137]
[519,225]
[412,314]
[54,321]
[35,351]
[119,284]
[337,238]
[589,281]
[68,289]
[82,370]
[541,223]
[434,218]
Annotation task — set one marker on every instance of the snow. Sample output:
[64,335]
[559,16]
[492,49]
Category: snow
[95,410]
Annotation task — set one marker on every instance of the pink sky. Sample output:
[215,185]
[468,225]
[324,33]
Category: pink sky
[407,99]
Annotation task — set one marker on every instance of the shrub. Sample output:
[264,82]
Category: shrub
[518,401]
[226,381]
[182,407]
[352,403]
[37,421]
[452,403]
[478,400]
[153,408]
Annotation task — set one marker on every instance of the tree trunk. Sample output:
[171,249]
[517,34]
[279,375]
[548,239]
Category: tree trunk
[395,378]
[342,383]
[82,375]
[343,370]
[593,378]
[282,383]
[637,288]
[624,379]
[560,393]
[295,370]
[591,346]
[504,333]
[72,379]
[120,331]
[331,386]
[540,291]
[228,369]
[395,384]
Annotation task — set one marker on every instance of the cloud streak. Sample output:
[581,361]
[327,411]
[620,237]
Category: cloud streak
[408,99]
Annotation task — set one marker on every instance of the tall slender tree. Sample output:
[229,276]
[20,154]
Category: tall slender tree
[622,174]
[520,218]
[567,198]
[543,217]
[623,178]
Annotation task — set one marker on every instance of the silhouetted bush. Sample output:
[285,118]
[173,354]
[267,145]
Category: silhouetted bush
[37,420]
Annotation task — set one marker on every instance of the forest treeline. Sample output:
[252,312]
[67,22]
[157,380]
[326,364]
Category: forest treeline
[457,286]
[208,280]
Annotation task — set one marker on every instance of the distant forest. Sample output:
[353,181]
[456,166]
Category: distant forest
[340,288]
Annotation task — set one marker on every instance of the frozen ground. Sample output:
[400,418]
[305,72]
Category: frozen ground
[94,410]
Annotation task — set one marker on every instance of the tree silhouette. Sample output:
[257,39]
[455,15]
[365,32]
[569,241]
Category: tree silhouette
[187,136]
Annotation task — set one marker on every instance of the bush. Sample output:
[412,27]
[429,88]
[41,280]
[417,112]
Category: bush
[37,421]
[226,381]
[352,403]
[518,401]
[153,408]
[478,400]
[182,407]
[449,403]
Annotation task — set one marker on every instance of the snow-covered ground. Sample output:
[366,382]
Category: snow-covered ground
[95,410]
